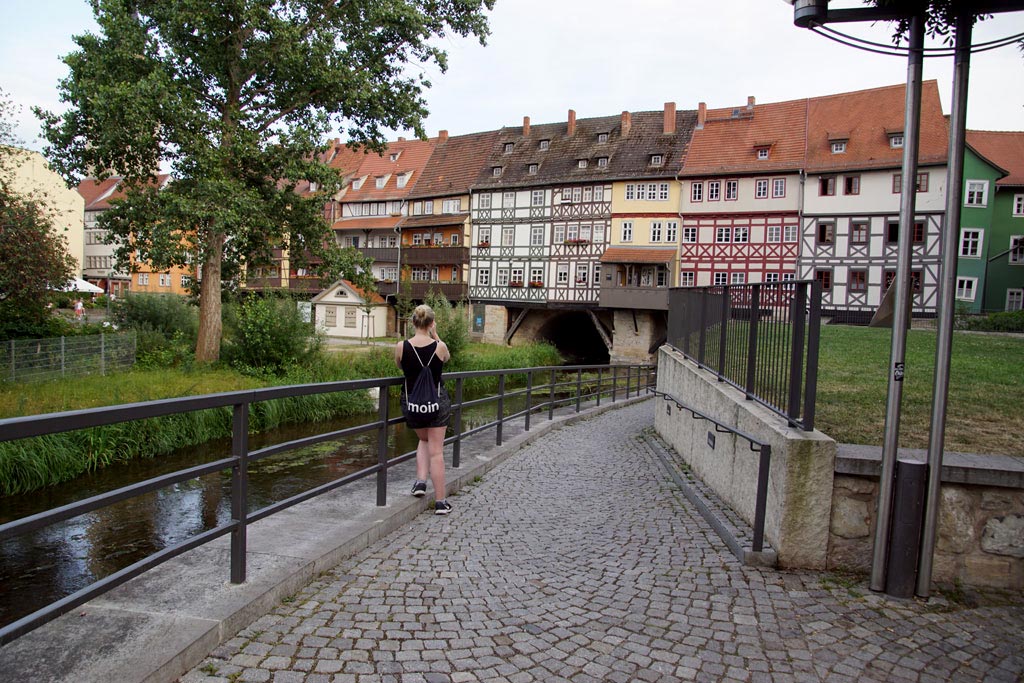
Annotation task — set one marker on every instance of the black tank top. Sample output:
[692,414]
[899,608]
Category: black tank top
[411,367]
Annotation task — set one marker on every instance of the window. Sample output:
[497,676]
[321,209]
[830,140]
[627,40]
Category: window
[965,288]
[976,193]
[403,179]
[774,234]
[381,180]
[826,187]
[627,231]
[839,147]
[531,169]
[732,190]
[485,236]
[559,233]
[1017,250]
[655,231]
[517,276]
[663,191]
[657,159]
[331,319]
[502,279]
[143,278]
[508,200]
[350,316]
[762,153]
[1014,299]
[918,237]
[741,234]
[562,274]
[496,171]
[395,155]
[690,235]
[671,231]
[417,240]
[451,206]
[859,232]
[892,232]
[602,162]
[825,278]
[537,198]
[1018,205]
[858,280]
[485,201]
[165,280]
[536,235]
[588,193]
[508,236]
[851,184]
[970,243]
[630,191]
[697,192]
[543,145]
[483,277]
[897,182]
[686,279]
[714,190]
[896,140]
[357,184]
[760,189]
[721,279]
[826,232]
[788,277]
[184,281]
[537,275]
[779,187]
[509,146]
[454,239]
[577,194]
[582,270]
[738,278]
[723,235]
[599,233]
[771,277]
[602,137]
[581,163]
[599,193]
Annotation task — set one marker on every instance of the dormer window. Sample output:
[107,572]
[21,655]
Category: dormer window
[313,187]
[532,169]
[581,163]
[394,156]
[657,159]
[602,162]
[357,184]
[381,181]
[762,153]
[839,147]
[496,171]
[602,137]
[896,141]
[403,178]
[509,146]
[544,144]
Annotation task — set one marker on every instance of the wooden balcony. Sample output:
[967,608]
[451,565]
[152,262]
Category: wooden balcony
[416,256]
[381,254]
[387,288]
[453,291]
[645,298]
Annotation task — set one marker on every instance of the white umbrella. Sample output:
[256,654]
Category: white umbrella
[80,285]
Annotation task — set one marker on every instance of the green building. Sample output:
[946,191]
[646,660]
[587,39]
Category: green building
[990,270]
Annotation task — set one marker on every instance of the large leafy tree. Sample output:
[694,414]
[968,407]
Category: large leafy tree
[237,96]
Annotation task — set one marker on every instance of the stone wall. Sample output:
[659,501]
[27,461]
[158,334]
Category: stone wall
[495,324]
[634,333]
[980,535]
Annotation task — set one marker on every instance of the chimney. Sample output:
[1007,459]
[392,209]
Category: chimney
[627,123]
[401,139]
[702,115]
[572,123]
[442,136]
[750,103]
[670,118]
[526,126]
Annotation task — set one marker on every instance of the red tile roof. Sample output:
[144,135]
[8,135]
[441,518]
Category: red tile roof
[367,223]
[1004,149]
[93,191]
[864,118]
[375,298]
[455,165]
[412,158]
[729,140]
[637,255]
[434,220]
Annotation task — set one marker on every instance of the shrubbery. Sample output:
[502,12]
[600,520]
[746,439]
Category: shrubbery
[1006,321]
[452,324]
[166,326]
[267,336]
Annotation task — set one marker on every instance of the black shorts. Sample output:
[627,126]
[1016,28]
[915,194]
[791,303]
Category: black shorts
[440,419]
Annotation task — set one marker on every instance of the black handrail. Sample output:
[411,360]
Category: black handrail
[12,429]
[756,445]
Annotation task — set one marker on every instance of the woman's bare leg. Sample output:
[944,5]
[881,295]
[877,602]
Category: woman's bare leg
[432,442]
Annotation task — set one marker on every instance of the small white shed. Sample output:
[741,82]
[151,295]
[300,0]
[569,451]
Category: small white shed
[340,311]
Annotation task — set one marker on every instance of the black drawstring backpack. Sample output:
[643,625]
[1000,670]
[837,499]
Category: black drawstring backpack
[424,398]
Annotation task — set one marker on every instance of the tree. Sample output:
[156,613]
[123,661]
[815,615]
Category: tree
[237,96]
[939,15]
[34,259]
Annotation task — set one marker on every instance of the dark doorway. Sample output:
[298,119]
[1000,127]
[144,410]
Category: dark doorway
[574,336]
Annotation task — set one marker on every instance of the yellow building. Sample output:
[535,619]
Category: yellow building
[32,178]
[643,246]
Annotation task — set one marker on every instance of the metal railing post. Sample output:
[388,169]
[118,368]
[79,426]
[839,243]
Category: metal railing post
[239,489]
[702,339]
[457,448]
[615,380]
[755,315]
[761,503]
[529,397]
[723,334]
[579,388]
[501,406]
[551,396]
[382,446]
[62,356]
[813,342]
[103,353]
[796,358]
[13,365]
[599,376]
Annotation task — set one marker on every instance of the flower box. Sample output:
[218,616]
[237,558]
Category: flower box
[576,242]
[515,283]
[484,245]
[536,284]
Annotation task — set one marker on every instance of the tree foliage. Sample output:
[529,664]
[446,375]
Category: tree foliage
[238,96]
[940,15]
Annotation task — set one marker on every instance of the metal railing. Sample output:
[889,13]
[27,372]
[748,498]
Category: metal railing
[762,448]
[38,360]
[613,382]
[760,338]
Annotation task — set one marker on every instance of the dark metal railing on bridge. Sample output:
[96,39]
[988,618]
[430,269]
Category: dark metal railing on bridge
[760,338]
[590,382]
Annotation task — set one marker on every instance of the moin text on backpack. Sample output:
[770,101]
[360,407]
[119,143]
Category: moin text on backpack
[423,399]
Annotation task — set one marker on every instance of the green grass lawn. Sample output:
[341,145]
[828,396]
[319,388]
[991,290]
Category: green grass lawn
[986,389]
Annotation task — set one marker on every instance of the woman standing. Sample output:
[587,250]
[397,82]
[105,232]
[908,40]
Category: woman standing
[425,349]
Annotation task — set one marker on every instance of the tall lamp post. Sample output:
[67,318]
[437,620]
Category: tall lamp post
[815,15]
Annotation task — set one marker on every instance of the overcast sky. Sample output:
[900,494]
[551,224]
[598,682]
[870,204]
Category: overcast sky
[599,57]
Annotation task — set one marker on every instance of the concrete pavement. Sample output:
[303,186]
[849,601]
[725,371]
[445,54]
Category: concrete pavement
[578,559]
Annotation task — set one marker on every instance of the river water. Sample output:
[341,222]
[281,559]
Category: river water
[43,566]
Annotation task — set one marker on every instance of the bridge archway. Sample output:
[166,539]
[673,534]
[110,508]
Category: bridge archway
[574,335]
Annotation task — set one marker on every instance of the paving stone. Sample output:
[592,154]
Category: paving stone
[578,560]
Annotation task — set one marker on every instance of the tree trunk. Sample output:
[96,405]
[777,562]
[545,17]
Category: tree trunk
[210,325]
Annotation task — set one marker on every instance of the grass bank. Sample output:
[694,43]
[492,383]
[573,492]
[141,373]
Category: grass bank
[29,464]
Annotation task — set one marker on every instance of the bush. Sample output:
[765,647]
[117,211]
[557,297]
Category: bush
[267,336]
[1006,321]
[452,323]
[167,314]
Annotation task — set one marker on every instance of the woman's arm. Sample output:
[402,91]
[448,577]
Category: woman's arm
[442,349]
[398,354]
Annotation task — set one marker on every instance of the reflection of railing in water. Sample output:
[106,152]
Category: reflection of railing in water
[610,381]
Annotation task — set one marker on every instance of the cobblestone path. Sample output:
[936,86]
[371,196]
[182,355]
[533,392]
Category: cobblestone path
[577,560]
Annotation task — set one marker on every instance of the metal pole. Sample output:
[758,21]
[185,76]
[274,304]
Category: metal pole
[813,346]
[457,449]
[103,354]
[579,387]
[599,376]
[529,397]
[382,446]
[501,407]
[901,315]
[239,489]
[551,397]
[755,305]
[947,292]
[615,376]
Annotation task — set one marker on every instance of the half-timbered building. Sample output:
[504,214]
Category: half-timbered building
[850,219]
[741,192]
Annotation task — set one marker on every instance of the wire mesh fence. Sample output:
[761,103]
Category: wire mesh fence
[760,338]
[38,360]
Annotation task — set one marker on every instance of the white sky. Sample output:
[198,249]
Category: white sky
[598,57]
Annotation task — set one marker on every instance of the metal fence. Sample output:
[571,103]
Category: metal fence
[574,383]
[37,360]
[760,338]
